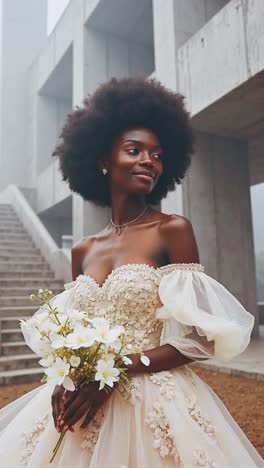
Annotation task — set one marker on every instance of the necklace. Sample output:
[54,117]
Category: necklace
[120,226]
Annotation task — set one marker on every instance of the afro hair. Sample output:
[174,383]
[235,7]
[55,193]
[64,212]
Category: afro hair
[118,104]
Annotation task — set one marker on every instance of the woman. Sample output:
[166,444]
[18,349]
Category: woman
[125,148]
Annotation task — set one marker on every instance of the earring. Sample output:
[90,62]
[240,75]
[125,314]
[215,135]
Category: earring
[104,171]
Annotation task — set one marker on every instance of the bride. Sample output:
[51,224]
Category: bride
[125,148]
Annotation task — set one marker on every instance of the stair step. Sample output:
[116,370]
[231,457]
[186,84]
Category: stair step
[26,274]
[12,229]
[19,265]
[7,301]
[22,292]
[20,252]
[11,334]
[17,244]
[21,376]
[7,257]
[18,311]
[6,223]
[7,323]
[21,361]
[20,236]
[14,347]
[31,282]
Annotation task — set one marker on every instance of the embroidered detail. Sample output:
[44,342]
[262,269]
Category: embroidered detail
[196,413]
[181,266]
[31,439]
[167,384]
[91,435]
[201,458]
[131,391]
[129,296]
[163,437]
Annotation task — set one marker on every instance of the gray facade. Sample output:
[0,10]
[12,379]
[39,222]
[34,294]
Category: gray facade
[212,51]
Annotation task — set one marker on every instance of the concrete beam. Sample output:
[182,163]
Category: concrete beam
[237,33]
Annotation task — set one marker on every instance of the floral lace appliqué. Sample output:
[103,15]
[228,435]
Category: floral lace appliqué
[31,439]
[198,416]
[91,435]
[201,458]
[167,385]
[163,437]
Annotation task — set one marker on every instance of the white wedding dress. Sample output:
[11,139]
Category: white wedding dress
[165,419]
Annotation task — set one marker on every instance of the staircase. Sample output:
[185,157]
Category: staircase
[22,272]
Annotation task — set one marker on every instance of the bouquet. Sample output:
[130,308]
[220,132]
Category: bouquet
[74,348]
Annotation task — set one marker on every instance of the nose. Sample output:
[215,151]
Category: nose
[146,160]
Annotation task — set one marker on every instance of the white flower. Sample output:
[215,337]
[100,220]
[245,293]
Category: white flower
[68,384]
[104,333]
[81,337]
[76,315]
[106,373]
[58,371]
[58,341]
[44,348]
[48,361]
[126,360]
[75,361]
[40,291]
[145,360]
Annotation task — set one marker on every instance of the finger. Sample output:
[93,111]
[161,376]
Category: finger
[68,399]
[55,408]
[78,414]
[89,416]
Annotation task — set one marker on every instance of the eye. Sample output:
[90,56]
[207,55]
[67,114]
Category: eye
[157,156]
[133,151]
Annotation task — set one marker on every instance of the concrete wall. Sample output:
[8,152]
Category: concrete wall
[21,41]
[50,187]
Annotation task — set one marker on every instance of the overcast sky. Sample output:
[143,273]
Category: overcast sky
[55,10]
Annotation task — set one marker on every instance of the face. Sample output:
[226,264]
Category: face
[136,162]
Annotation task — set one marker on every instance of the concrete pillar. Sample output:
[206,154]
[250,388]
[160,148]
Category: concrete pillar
[174,21]
[216,198]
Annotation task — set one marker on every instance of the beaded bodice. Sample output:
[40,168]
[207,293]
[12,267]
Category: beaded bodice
[129,297]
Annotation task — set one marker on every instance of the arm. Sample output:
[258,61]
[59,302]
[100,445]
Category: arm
[181,247]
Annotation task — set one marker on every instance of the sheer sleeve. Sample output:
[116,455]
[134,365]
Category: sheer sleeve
[201,318]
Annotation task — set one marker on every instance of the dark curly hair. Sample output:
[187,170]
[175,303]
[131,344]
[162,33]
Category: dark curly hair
[90,131]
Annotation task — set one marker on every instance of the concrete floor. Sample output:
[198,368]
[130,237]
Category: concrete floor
[248,364]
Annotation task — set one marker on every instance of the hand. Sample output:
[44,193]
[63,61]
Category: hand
[57,404]
[88,399]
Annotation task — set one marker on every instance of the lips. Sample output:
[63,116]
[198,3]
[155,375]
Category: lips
[145,174]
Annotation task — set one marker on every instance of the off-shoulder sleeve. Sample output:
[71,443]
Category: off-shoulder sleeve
[202,319]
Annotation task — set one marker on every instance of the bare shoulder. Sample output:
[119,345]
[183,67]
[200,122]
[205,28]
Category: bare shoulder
[78,252]
[179,239]
[82,245]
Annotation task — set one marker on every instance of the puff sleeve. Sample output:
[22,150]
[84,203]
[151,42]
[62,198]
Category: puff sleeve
[201,318]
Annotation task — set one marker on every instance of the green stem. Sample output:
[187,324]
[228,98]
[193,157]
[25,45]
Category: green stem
[57,446]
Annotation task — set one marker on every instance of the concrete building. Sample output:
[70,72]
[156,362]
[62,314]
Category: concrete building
[212,51]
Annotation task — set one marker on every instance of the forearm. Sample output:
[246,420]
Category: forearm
[162,358]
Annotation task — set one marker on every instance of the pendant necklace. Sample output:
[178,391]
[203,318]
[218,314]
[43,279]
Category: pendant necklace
[119,227]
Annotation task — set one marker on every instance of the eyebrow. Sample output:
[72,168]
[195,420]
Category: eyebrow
[140,143]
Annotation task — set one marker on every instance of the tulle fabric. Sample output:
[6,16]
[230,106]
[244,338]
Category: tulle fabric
[125,441]
[202,319]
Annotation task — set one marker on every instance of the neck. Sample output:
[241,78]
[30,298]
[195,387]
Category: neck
[125,209]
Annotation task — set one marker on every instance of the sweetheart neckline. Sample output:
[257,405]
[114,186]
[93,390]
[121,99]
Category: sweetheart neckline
[151,267]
